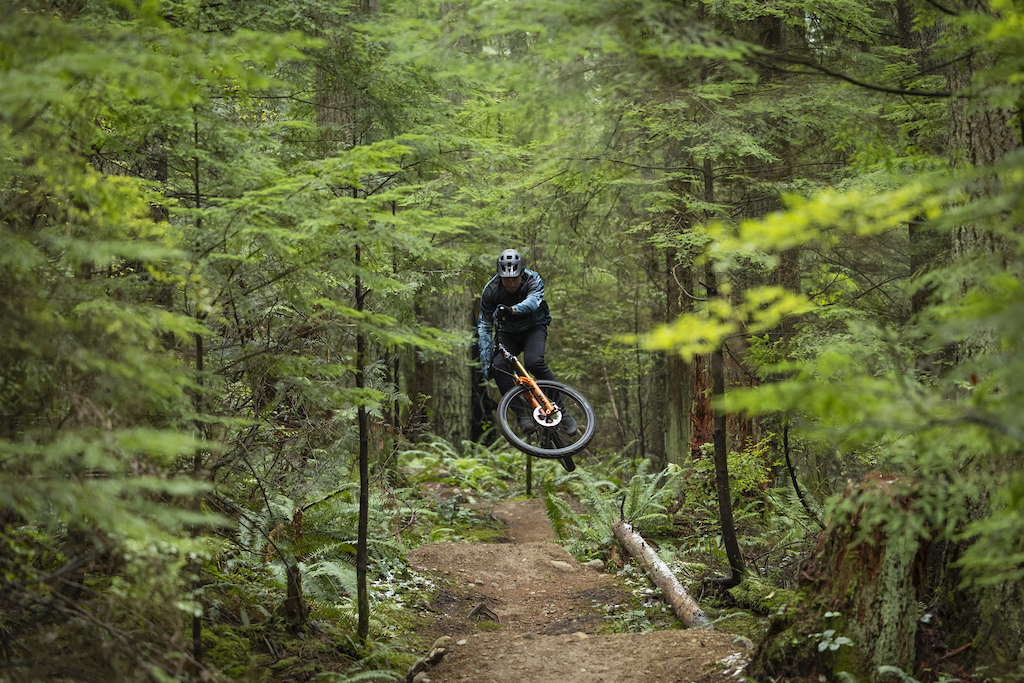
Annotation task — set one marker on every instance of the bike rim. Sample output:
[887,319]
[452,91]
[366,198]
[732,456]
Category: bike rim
[542,441]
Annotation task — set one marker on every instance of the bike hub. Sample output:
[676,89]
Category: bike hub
[546,419]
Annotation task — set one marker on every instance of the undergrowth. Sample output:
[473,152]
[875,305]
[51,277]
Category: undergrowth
[439,493]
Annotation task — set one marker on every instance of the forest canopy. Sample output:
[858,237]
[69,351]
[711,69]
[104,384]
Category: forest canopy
[241,245]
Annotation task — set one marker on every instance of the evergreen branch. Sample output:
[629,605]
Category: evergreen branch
[739,363]
[943,8]
[973,417]
[348,486]
[843,77]
[680,285]
[643,167]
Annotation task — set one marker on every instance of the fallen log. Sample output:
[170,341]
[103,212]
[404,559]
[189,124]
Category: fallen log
[683,605]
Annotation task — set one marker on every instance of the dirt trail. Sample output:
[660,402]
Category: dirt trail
[543,610]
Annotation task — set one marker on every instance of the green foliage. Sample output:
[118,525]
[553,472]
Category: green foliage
[190,192]
[862,393]
[641,501]
[175,265]
[643,612]
[334,677]
[477,467]
[749,471]
[761,597]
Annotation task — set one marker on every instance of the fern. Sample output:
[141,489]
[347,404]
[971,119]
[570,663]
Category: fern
[328,580]
[645,501]
[598,496]
[472,465]
[344,615]
[554,509]
[640,501]
[563,517]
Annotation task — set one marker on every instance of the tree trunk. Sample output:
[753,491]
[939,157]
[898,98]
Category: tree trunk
[684,606]
[732,546]
[788,276]
[857,602]
[927,247]
[679,373]
[640,401]
[362,554]
[989,617]
[702,417]
[294,606]
[450,404]
[295,609]
[725,518]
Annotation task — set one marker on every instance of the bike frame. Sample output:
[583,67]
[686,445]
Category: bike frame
[521,376]
[549,441]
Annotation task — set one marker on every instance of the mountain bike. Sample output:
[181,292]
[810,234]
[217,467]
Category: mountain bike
[537,416]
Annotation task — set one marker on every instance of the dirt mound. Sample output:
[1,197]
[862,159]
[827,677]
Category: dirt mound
[545,610]
[654,657]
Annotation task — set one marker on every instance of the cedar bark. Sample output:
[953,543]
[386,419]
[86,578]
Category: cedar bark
[684,606]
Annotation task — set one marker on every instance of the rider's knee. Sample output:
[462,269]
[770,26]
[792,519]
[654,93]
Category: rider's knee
[535,364]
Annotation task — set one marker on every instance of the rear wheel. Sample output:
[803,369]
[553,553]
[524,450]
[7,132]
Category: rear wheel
[524,427]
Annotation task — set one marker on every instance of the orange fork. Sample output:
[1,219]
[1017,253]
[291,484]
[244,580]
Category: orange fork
[523,377]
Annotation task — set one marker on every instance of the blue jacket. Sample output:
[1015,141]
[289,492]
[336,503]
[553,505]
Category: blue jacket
[531,309]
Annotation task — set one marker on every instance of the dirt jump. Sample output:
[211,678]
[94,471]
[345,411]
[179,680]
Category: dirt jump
[527,611]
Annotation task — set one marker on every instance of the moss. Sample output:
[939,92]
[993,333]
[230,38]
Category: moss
[488,626]
[473,526]
[742,624]
[286,663]
[489,536]
[1001,632]
[784,648]
[761,597]
[417,631]
[230,652]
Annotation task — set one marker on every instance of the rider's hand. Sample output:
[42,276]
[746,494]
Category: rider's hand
[504,312]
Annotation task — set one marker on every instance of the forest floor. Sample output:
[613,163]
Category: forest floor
[526,610]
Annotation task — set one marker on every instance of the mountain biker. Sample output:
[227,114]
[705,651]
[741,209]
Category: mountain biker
[514,301]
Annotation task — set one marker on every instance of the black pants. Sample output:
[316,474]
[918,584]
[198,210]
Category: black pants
[531,344]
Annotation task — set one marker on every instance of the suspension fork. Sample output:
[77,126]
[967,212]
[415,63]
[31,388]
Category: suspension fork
[524,378]
[521,376]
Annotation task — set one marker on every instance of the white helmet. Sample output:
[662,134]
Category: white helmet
[510,263]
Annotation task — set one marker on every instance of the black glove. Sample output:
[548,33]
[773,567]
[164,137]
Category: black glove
[503,312]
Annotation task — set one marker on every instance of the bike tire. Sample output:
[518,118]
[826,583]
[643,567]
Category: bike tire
[547,448]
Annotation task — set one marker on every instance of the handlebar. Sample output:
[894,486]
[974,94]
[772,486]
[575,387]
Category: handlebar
[498,347]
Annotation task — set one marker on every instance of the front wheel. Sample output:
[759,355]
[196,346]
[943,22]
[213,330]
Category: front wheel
[520,425]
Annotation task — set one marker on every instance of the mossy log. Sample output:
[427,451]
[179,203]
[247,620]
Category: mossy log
[857,601]
[684,606]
